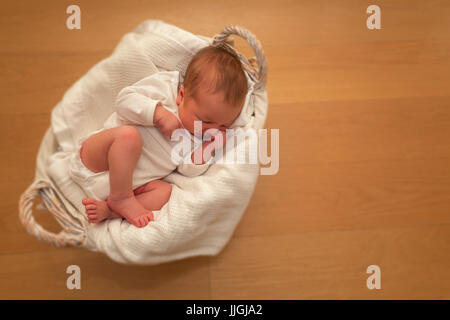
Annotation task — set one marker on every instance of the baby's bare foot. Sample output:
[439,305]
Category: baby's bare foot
[131,210]
[97,211]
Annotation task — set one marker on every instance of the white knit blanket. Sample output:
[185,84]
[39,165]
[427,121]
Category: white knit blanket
[202,212]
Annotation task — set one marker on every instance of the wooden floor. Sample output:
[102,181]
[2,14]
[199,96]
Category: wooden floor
[364,179]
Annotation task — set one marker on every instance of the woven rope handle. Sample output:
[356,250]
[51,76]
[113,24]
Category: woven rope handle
[260,75]
[71,235]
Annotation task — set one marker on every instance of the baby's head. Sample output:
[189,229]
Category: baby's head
[213,91]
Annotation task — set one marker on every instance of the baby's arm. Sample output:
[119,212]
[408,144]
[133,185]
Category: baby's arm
[165,121]
[141,102]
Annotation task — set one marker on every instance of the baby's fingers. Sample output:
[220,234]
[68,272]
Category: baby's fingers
[220,136]
[167,133]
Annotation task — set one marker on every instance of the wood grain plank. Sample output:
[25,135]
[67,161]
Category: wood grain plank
[332,265]
[349,196]
[42,275]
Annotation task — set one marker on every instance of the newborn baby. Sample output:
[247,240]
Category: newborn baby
[133,152]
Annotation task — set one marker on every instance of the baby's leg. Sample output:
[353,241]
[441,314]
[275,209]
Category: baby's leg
[118,150]
[153,196]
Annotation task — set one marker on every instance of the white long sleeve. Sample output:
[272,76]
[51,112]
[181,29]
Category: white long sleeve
[136,103]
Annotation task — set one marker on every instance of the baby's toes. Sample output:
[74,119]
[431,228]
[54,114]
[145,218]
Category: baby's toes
[92,214]
[135,222]
[141,221]
[90,207]
[86,201]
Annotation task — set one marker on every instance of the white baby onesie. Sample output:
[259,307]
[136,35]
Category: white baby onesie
[135,106]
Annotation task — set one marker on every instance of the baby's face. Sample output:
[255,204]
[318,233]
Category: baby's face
[206,107]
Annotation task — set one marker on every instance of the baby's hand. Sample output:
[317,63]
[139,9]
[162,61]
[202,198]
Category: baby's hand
[215,135]
[165,121]
[200,154]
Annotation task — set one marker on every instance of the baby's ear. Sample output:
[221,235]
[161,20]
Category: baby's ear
[180,95]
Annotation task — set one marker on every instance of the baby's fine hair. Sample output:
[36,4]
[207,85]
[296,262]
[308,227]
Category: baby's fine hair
[226,74]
